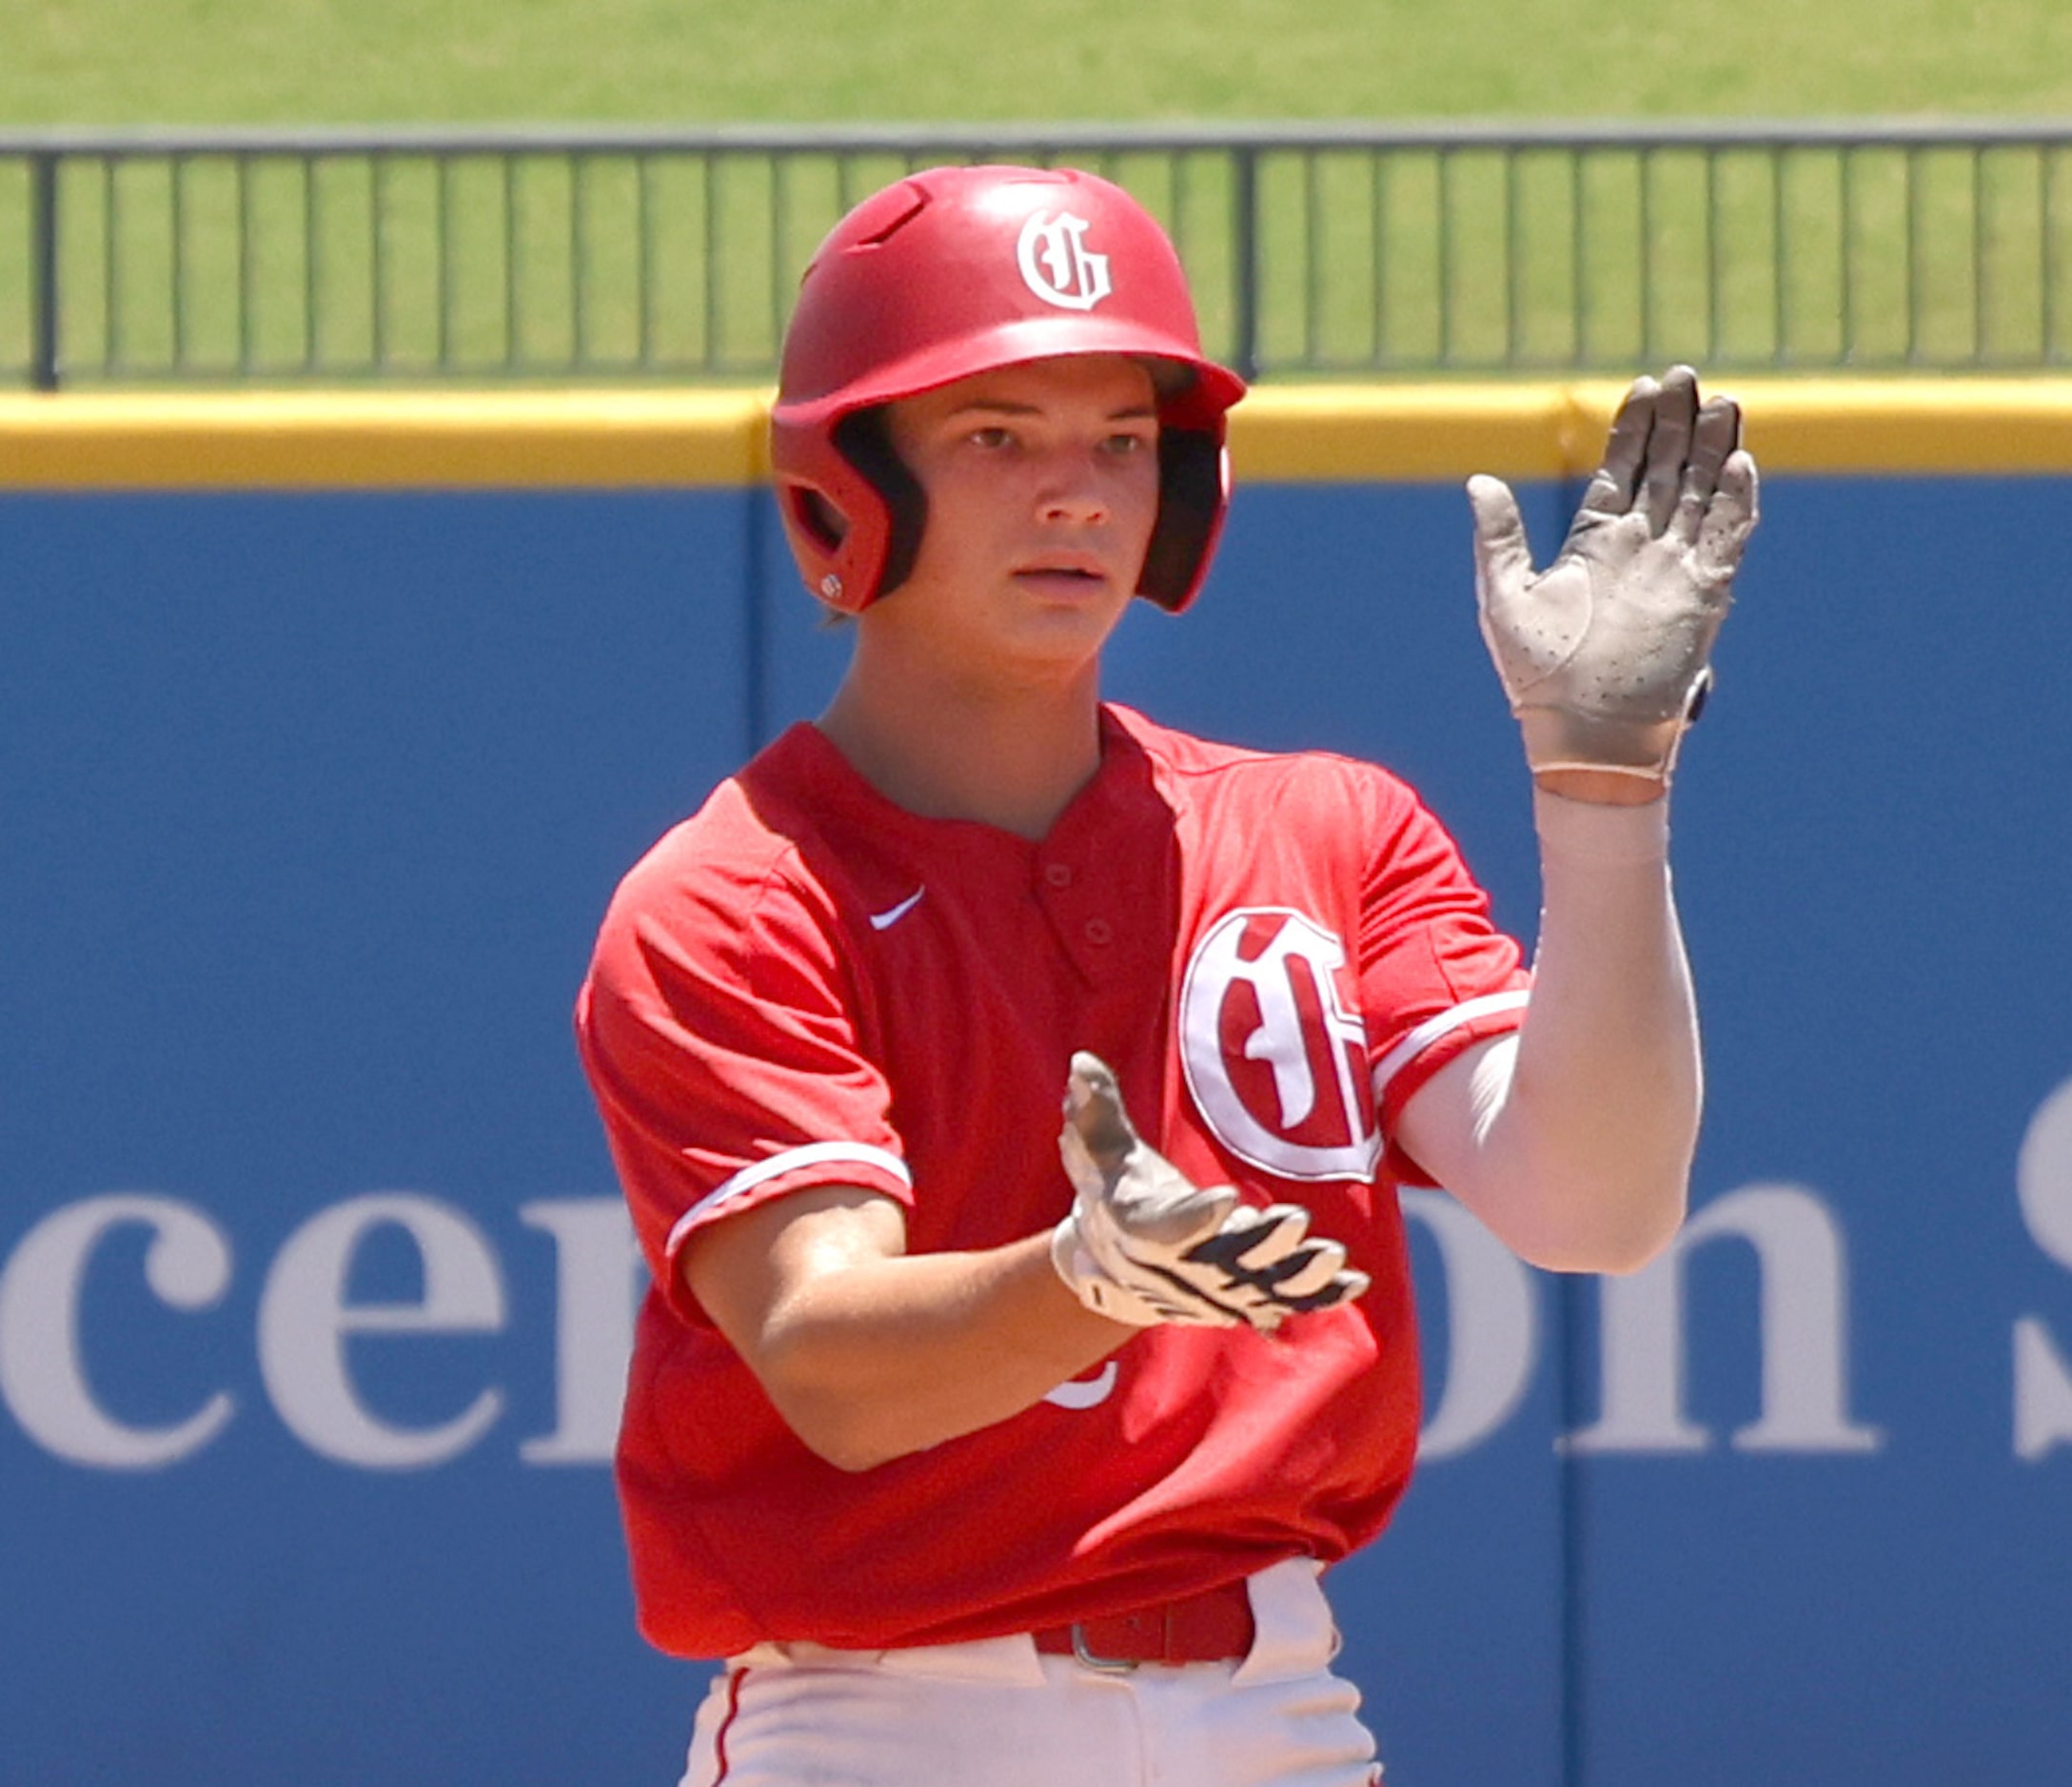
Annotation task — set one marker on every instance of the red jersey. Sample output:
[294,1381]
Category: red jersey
[806,985]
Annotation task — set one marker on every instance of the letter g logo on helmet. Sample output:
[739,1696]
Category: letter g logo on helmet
[1056,265]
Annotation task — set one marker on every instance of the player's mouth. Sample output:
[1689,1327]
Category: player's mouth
[1066,575]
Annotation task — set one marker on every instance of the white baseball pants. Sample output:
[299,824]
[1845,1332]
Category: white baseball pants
[997,1714]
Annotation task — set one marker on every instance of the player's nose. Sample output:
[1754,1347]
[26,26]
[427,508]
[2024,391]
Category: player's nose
[1074,491]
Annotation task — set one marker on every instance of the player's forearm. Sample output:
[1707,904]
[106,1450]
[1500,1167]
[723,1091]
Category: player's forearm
[1605,1092]
[891,1356]
[1582,1136]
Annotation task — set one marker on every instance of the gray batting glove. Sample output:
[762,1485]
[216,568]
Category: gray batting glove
[1604,654]
[1144,1245]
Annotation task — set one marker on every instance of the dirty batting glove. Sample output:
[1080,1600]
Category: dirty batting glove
[1264,1264]
[1604,654]
[1145,1244]
[1135,1212]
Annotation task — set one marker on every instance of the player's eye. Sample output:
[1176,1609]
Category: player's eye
[992,437]
[1126,441]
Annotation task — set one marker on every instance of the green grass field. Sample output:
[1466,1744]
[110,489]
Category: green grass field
[340,267]
[130,62]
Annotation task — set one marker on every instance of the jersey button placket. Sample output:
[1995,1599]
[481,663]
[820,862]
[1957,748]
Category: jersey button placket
[1065,895]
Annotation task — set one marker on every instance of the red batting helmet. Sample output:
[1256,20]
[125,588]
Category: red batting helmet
[961,270]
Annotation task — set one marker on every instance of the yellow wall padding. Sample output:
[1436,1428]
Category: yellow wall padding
[715,439]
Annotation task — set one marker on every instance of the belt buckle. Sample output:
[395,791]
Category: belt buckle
[1108,1665]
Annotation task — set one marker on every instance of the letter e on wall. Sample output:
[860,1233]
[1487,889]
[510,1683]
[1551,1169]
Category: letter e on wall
[305,1317]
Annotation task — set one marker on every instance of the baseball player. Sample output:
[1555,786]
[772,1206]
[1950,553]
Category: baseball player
[1011,1094]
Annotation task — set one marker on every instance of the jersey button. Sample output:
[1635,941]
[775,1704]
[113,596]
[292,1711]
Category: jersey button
[1057,874]
[1099,931]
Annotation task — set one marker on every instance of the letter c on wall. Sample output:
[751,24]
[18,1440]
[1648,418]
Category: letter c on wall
[43,1375]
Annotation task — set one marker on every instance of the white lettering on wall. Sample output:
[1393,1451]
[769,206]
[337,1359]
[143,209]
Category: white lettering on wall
[2043,1381]
[1804,1326]
[598,1279]
[304,1319]
[1491,1328]
[43,1375]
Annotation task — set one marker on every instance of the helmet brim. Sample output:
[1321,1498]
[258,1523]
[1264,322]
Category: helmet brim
[1205,393]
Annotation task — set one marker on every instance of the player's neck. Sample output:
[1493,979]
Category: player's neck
[1010,758]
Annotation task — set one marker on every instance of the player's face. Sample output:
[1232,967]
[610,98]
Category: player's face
[1042,485]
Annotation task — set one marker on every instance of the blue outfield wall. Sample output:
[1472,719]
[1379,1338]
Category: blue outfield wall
[314,1290]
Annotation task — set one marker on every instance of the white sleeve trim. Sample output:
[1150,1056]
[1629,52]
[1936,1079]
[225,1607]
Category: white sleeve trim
[812,1155]
[1433,1028]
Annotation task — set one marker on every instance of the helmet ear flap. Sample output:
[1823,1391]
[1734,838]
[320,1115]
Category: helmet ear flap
[1193,489]
[864,439]
[837,522]
[813,515]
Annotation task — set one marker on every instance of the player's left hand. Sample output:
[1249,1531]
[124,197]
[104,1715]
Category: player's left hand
[1604,654]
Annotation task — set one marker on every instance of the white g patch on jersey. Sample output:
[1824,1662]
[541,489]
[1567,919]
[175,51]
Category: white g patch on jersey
[1276,1063]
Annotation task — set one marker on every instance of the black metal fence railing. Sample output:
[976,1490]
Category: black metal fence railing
[272,257]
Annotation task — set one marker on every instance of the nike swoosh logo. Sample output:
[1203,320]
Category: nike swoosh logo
[1084,1392]
[886,919]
